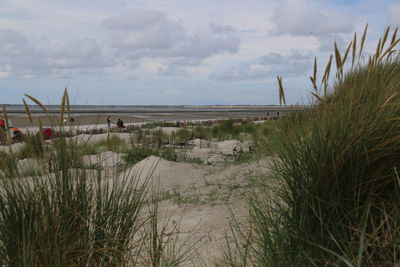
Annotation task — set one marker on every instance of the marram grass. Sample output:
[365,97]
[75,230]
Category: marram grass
[334,196]
[63,214]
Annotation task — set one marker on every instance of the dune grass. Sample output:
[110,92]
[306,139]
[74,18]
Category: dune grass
[69,216]
[334,197]
[66,215]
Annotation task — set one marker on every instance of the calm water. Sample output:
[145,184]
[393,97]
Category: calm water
[164,110]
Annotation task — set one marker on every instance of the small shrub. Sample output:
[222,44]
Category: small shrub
[136,154]
[183,136]
[33,147]
[114,143]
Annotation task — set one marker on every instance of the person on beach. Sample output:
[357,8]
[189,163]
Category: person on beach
[17,135]
[2,132]
[109,122]
[120,123]
[2,125]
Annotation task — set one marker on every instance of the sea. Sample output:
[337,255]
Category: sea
[19,110]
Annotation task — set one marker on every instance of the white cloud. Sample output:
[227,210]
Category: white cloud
[270,65]
[26,60]
[134,20]
[4,74]
[102,44]
[216,28]
[245,72]
[327,43]
[394,15]
[303,17]
[172,71]
[153,35]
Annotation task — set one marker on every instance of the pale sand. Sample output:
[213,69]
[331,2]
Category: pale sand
[208,193]
[205,214]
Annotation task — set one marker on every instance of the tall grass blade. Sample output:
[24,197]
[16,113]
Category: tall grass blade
[62,107]
[317,96]
[385,36]
[27,111]
[346,55]
[354,52]
[282,98]
[338,59]
[314,79]
[377,51]
[361,247]
[390,50]
[37,102]
[327,72]
[7,125]
[363,40]
[394,35]
[68,105]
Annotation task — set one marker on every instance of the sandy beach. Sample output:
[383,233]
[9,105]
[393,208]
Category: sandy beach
[88,115]
[100,119]
[201,197]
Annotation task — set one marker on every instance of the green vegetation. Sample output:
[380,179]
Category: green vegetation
[138,153]
[228,129]
[152,125]
[334,197]
[33,147]
[112,143]
[69,216]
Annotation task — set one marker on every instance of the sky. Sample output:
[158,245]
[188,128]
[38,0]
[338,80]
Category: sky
[174,52]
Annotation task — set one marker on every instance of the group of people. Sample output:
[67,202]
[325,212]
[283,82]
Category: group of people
[16,134]
[119,123]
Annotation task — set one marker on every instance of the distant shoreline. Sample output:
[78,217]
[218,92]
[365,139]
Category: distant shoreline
[134,110]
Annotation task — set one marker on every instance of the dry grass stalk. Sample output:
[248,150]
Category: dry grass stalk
[5,116]
[394,35]
[385,36]
[40,127]
[378,50]
[346,55]
[363,40]
[7,125]
[62,107]
[68,104]
[390,50]
[37,102]
[108,141]
[353,58]
[28,111]
[314,77]
[338,59]
[327,72]
[317,96]
[282,98]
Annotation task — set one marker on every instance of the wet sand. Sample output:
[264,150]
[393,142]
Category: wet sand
[100,119]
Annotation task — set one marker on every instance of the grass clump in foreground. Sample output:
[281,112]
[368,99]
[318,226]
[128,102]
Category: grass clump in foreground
[70,216]
[334,198]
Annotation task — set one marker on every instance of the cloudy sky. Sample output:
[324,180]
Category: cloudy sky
[175,51]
